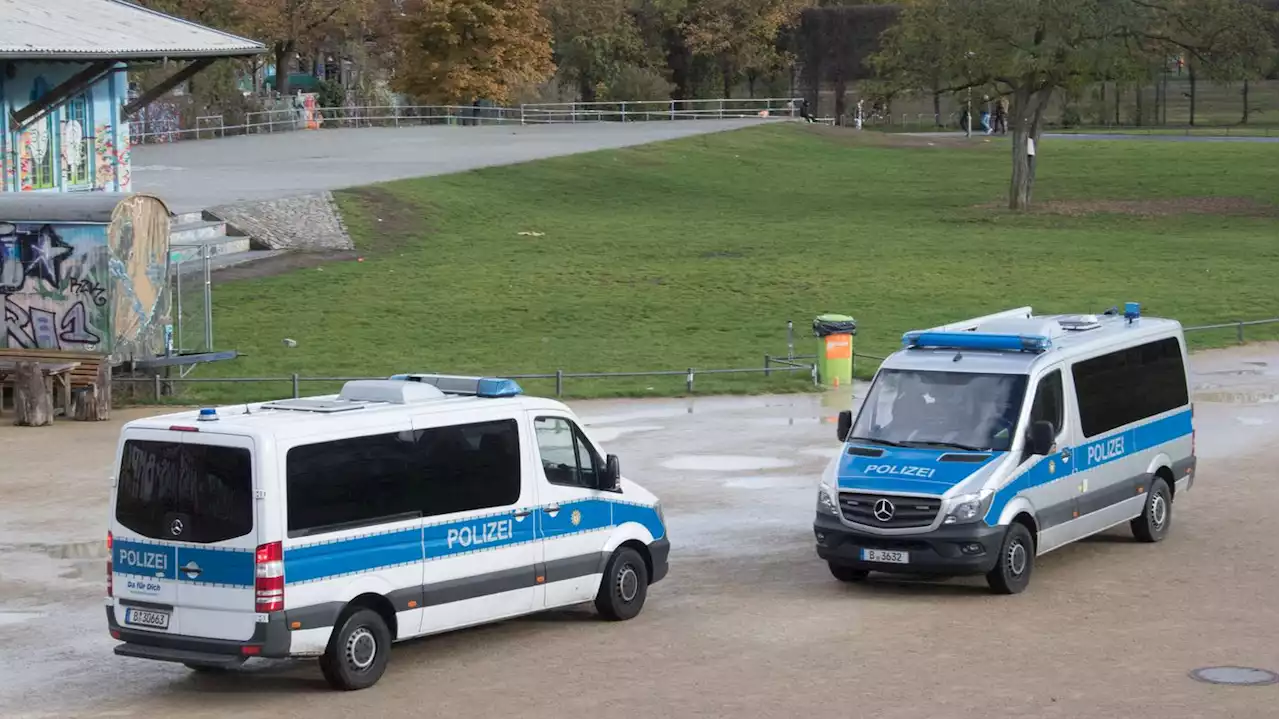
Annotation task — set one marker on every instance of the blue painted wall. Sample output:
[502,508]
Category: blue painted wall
[81,146]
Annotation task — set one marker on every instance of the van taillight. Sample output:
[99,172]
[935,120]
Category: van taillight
[110,584]
[268,583]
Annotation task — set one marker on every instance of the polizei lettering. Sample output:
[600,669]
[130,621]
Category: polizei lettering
[1103,451]
[471,535]
[131,559]
[899,470]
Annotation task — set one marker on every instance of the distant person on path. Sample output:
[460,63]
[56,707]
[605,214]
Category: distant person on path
[804,111]
[964,119]
[985,118]
[1001,117]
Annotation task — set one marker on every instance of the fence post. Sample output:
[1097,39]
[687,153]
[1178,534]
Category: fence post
[766,364]
[522,114]
[1239,332]
[791,345]
[813,372]
[688,381]
[559,382]
[624,111]
[296,393]
[673,109]
[156,379]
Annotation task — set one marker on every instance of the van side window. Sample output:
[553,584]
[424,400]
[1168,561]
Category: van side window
[1047,405]
[1129,385]
[363,480]
[567,458]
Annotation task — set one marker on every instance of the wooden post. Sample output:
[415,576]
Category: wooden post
[31,398]
[93,403]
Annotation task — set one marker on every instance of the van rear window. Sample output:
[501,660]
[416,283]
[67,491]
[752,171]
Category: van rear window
[185,492]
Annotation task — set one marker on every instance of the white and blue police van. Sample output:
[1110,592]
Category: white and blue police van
[985,443]
[333,526]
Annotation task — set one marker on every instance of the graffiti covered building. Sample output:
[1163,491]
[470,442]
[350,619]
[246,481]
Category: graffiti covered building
[65,101]
[85,273]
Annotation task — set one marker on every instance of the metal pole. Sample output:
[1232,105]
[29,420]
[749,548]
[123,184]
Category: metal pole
[296,393]
[156,378]
[968,112]
[766,364]
[688,381]
[1240,332]
[177,280]
[559,382]
[208,301]
[791,345]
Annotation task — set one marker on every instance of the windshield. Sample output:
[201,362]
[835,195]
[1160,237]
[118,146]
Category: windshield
[957,410]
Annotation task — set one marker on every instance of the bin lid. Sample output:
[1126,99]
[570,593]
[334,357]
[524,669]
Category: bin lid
[833,324]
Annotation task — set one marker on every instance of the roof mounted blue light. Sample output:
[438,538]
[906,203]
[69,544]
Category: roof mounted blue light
[976,341]
[489,387]
[1132,311]
[207,414]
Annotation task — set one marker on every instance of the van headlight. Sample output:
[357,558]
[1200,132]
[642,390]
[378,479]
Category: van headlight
[968,507]
[826,500]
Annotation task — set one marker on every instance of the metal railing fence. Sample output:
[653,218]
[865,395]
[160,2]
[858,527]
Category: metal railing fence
[791,363]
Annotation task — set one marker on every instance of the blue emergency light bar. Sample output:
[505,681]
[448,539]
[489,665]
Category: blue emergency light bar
[1132,311]
[975,341]
[490,387]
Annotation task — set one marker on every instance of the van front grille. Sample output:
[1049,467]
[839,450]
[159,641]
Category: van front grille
[903,511]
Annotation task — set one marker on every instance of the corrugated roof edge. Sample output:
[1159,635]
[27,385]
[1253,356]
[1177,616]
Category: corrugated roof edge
[66,207]
[261,48]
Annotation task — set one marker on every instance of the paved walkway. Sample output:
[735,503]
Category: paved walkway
[194,175]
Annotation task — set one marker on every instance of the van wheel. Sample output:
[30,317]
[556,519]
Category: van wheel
[1157,514]
[624,586]
[1012,572]
[358,651]
[847,574]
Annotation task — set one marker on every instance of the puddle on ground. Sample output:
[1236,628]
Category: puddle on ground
[725,463]
[12,617]
[786,481]
[784,421]
[608,434]
[1236,397]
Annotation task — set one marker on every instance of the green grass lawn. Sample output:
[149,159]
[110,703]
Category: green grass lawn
[695,253]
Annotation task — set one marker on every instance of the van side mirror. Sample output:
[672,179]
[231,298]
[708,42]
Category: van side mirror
[1040,438]
[611,475]
[844,423]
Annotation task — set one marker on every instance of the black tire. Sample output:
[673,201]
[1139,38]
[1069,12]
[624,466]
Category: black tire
[624,586]
[1157,514]
[1017,560]
[358,651]
[847,574]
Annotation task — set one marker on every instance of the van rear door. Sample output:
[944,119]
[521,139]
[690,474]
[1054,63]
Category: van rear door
[184,536]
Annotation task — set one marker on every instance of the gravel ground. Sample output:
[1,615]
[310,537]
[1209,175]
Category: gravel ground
[749,623]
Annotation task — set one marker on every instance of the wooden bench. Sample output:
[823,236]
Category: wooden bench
[78,374]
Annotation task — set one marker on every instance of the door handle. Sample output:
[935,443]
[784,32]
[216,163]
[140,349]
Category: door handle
[552,508]
[522,513]
[1066,455]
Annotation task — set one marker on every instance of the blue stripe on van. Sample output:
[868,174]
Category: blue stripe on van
[322,560]
[143,559]
[223,567]
[1094,453]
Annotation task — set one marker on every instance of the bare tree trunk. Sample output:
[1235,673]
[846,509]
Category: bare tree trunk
[283,51]
[31,397]
[1244,109]
[1137,104]
[840,87]
[726,76]
[1025,117]
[1118,95]
[1191,80]
[752,76]
[937,108]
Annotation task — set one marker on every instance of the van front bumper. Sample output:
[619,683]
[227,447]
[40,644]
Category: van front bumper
[270,639]
[947,551]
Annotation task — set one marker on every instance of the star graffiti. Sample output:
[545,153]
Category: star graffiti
[45,254]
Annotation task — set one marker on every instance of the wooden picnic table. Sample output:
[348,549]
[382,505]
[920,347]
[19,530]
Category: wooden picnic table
[55,373]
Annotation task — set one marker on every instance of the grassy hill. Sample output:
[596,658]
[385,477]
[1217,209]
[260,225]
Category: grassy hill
[695,253]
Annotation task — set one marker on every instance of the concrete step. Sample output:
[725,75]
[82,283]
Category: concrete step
[232,259]
[191,232]
[187,218]
[190,252]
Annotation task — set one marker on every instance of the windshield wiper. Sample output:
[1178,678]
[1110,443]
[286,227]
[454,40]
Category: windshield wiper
[948,445]
[873,440]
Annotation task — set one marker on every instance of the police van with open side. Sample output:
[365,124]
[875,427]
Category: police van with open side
[985,443]
[333,526]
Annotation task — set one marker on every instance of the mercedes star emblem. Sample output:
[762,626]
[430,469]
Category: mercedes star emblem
[176,527]
[883,510]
